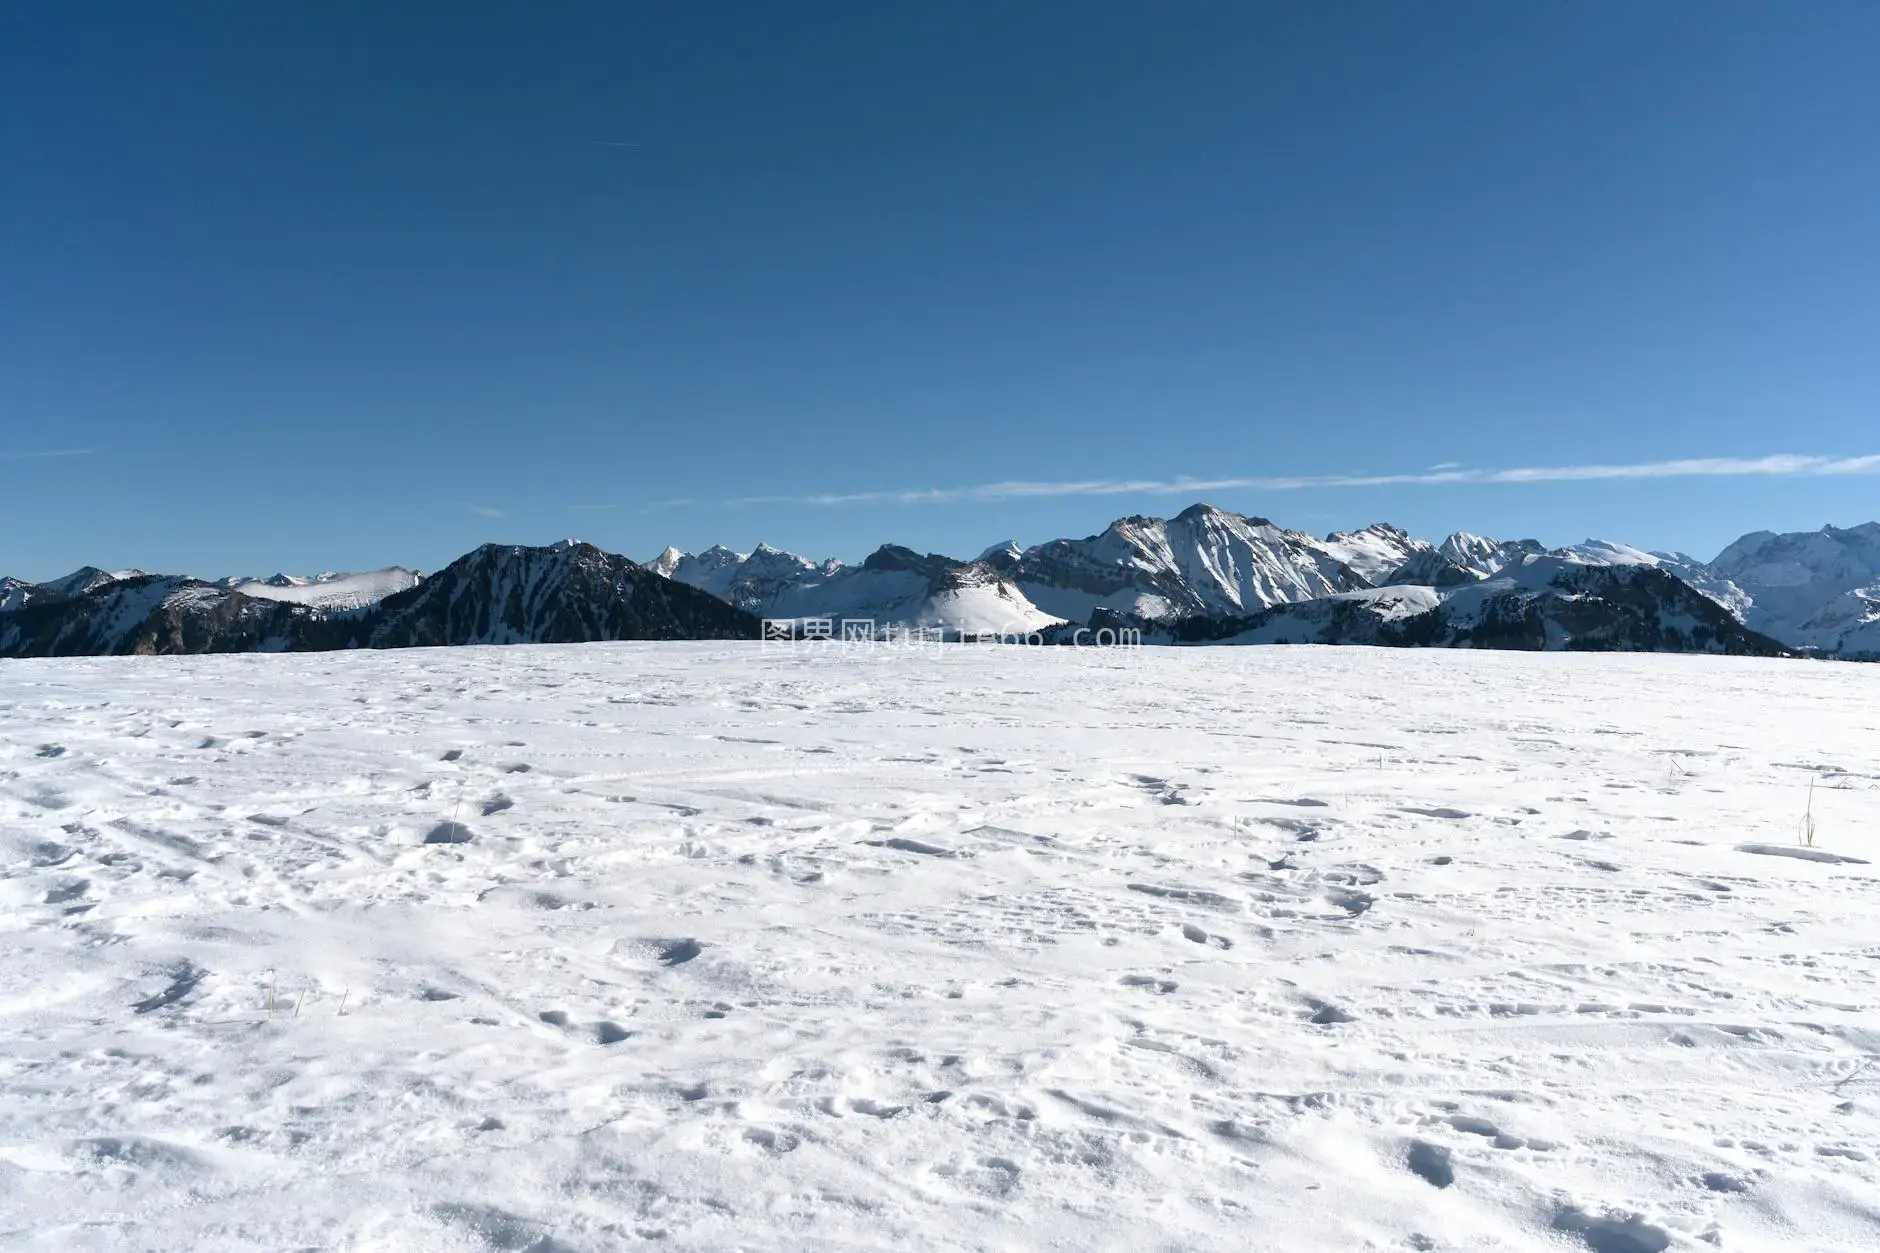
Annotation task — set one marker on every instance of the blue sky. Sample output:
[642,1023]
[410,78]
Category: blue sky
[328,286]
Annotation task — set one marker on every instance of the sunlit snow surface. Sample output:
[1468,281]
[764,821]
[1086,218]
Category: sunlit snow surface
[811,947]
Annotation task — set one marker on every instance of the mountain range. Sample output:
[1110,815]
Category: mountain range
[568,592]
[1204,576]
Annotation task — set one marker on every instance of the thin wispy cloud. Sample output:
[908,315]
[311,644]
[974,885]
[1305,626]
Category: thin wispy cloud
[1781,465]
[42,455]
[483,511]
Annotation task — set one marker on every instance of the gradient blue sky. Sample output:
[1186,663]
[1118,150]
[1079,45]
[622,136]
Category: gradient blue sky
[338,285]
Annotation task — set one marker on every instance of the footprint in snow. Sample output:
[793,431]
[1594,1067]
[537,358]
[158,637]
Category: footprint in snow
[448,833]
[1801,853]
[905,845]
[678,952]
[770,1141]
[1161,987]
[1613,1233]
[1352,902]
[1195,934]
[1431,1163]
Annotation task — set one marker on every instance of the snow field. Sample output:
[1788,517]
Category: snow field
[734,946]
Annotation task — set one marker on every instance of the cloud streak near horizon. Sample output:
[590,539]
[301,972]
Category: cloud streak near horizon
[1780,465]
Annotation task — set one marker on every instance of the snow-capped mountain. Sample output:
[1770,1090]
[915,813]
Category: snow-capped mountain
[89,578]
[329,591]
[1813,589]
[18,593]
[902,588]
[1433,568]
[1819,591]
[1376,552]
[1551,602]
[1847,626]
[748,580]
[894,588]
[713,570]
[1003,556]
[1202,561]
[1486,556]
[1601,552]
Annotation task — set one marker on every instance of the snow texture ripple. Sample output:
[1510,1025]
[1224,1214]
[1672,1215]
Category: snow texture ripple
[728,946]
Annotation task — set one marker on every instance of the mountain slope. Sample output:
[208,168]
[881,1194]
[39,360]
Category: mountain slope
[899,587]
[1203,561]
[1544,603]
[561,594]
[1376,552]
[157,614]
[751,580]
[87,579]
[18,593]
[1601,552]
[329,591]
[1486,556]
[1810,589]
[894,588]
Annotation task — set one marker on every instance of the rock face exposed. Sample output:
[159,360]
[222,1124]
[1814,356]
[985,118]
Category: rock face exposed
[562,594]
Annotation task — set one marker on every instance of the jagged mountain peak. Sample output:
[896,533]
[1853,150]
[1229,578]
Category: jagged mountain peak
[1205,560]
[1003,557]
[1375,552]
[87,578]
[667,561]
[1483,555]
[1202,511]
[1432,568]
[899,557]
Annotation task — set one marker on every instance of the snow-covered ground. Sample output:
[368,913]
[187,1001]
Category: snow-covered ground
[821,948]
